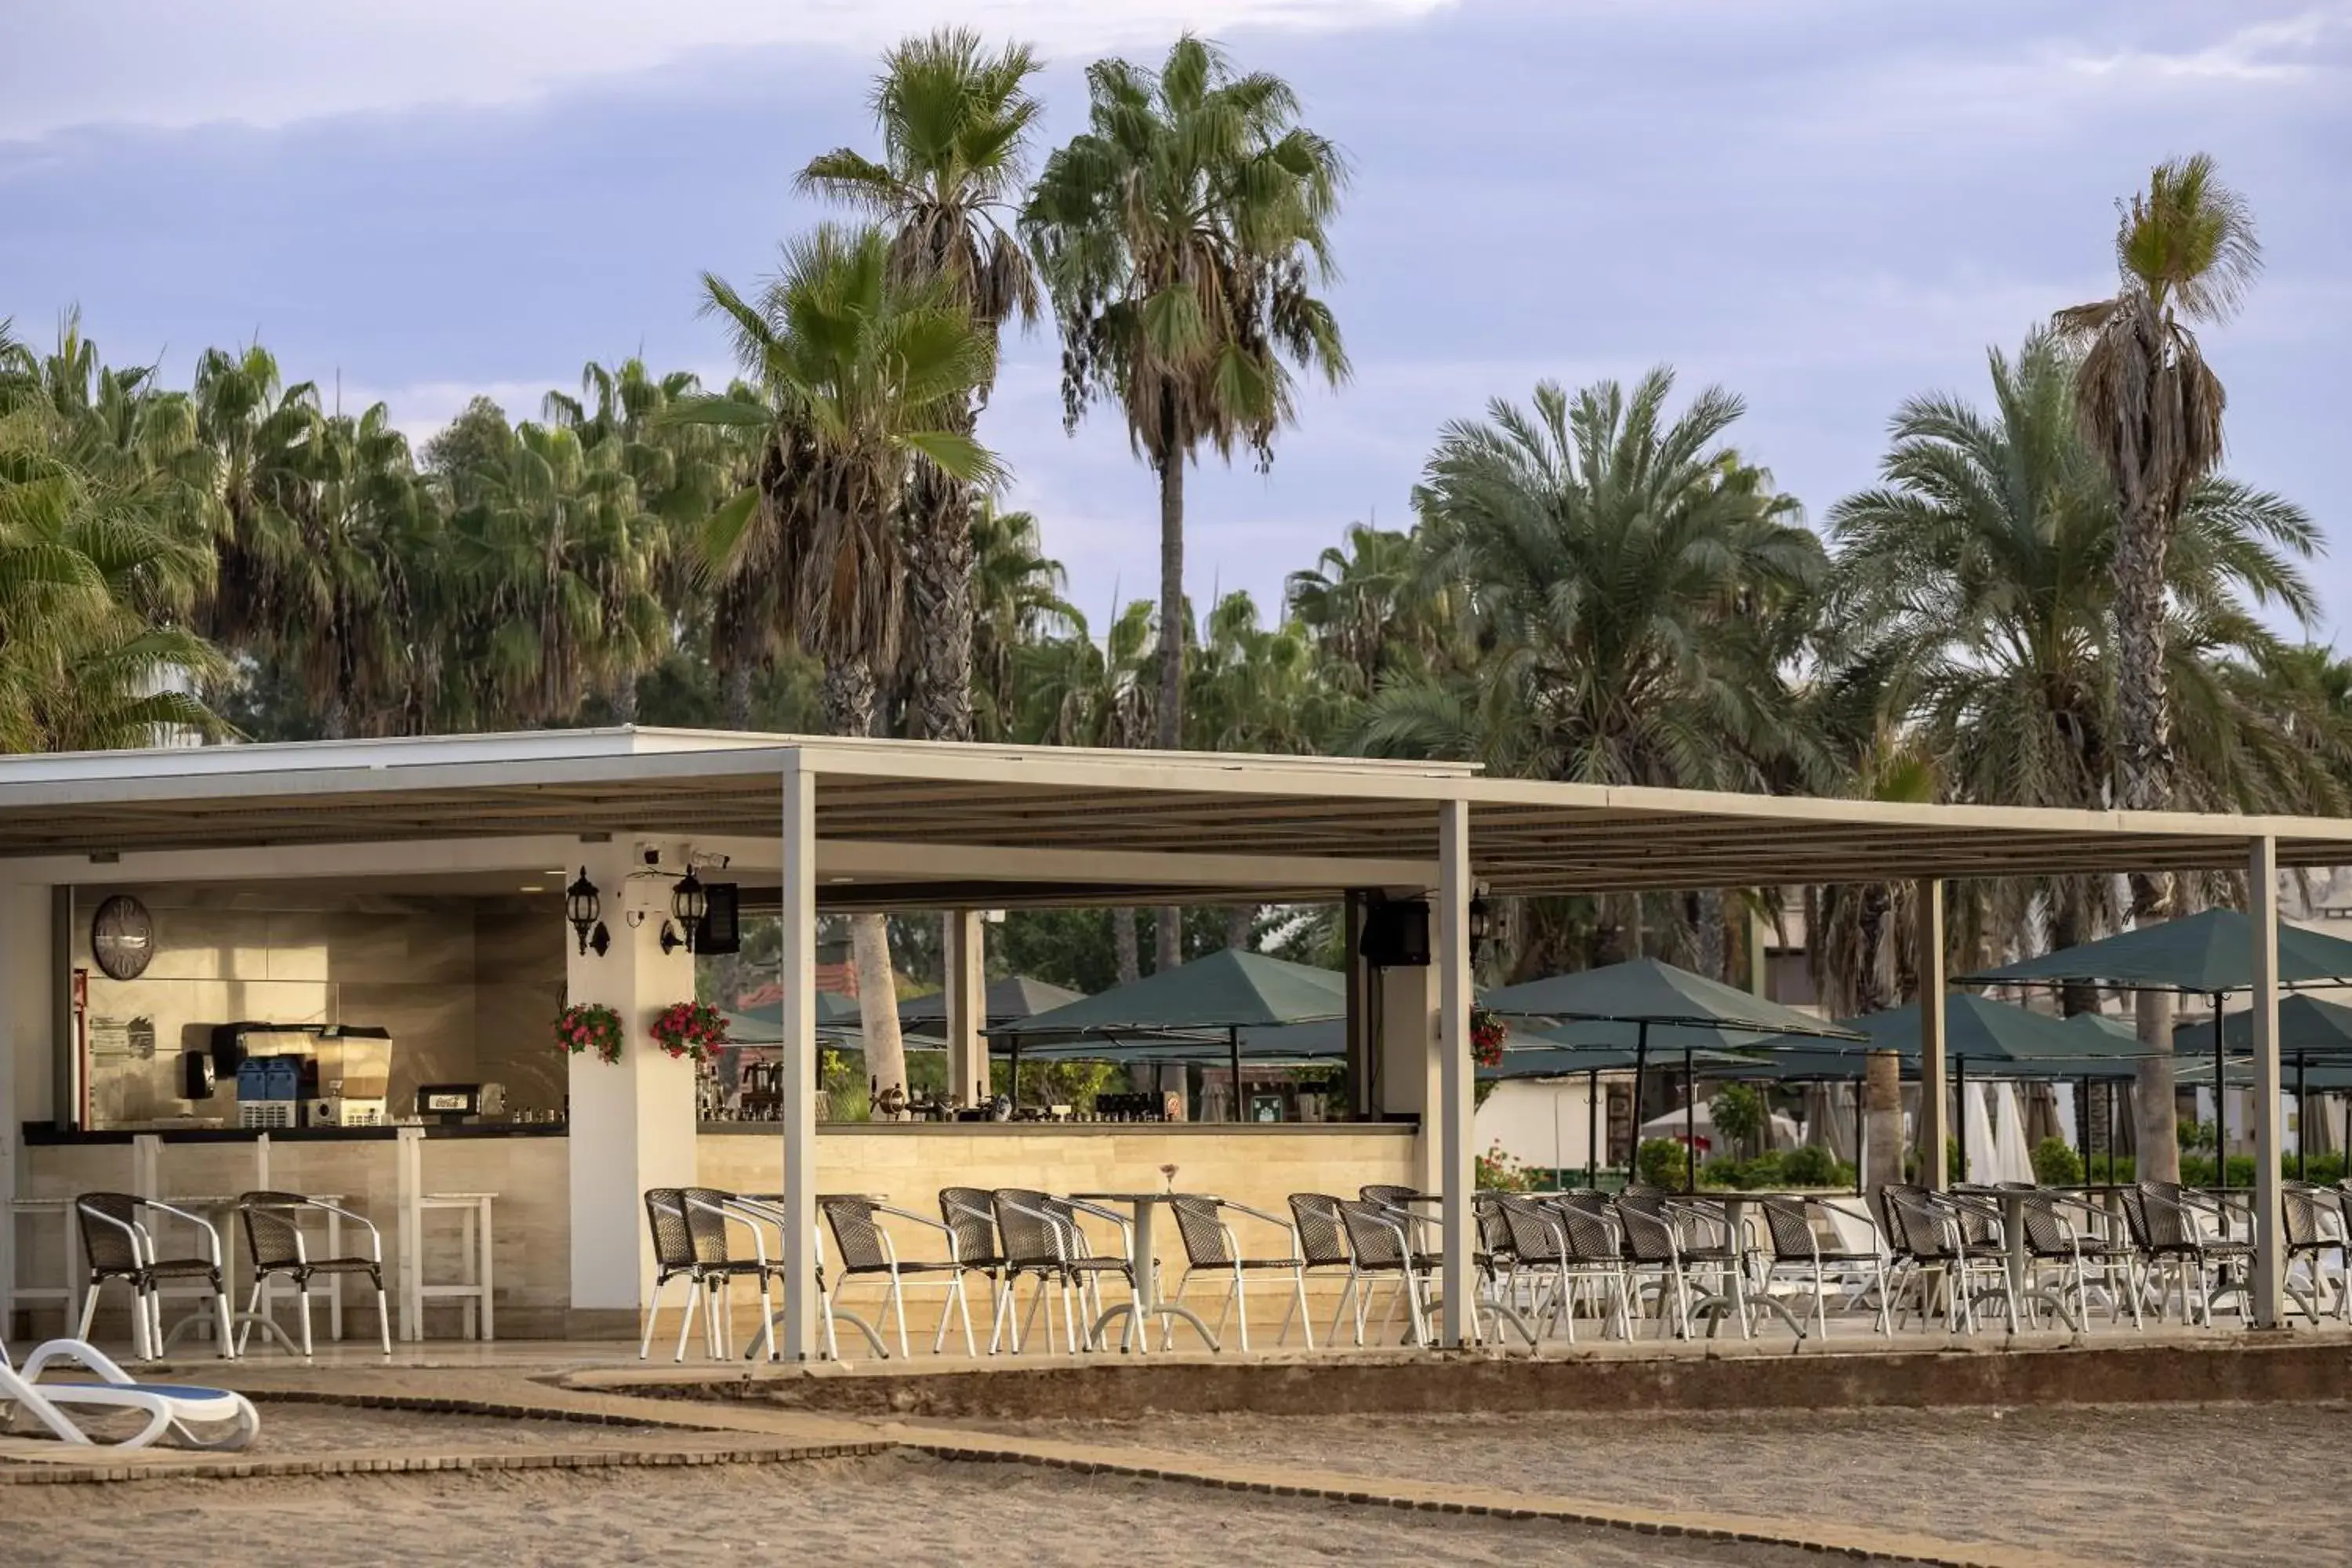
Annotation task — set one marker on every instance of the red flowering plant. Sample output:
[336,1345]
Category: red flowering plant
[692,1029]
[590,1028]
[1488,1033]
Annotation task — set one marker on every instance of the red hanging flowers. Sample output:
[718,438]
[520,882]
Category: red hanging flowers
[586,1027]
[1488,1033]
[692,1029]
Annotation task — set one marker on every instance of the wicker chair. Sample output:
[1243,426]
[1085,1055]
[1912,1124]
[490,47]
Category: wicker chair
[1322,1234]
[2169,1225]
[691,1242]
[1042,1237]
[674,1258]
[274,1245]
[2074,1237]
[970,1213]
[2316,1226]
[118,1243]
[1676,1242]
[1596,1251]
[1925,1251]
[1794,1226]
[1380,1247]
[1211,1248]
[867,1251]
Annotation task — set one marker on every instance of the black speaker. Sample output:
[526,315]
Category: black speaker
[721,930]
[1396,935]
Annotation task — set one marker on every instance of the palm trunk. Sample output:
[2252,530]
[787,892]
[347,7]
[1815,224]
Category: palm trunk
[737,694]
[1168,929]
[938,581]
[624,698]
[1240,924]
[1124,947]
[850,703]
[2143,783]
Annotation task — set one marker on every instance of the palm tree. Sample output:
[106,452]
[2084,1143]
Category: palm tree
[955,122]
[2151,408]
[1077,692]
[1631,581]
[1372,608]
[559,560]
[1636,594]
[1181,237]
[855,371]
[1016,597]
[102,552]
[1979,582]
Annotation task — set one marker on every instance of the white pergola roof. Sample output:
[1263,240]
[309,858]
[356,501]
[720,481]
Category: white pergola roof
[1313,827]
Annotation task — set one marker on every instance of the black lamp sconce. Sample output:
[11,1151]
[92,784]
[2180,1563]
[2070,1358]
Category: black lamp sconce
[582,907]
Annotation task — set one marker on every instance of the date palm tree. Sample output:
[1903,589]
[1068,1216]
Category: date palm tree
[852,372]
[2151,408]
[1638,593]
[1631,580]
[955,122]
[1181,237]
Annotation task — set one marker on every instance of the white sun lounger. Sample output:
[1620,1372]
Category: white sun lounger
[180,1409]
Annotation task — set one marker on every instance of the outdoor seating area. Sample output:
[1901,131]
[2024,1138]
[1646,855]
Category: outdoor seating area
[1062,1274]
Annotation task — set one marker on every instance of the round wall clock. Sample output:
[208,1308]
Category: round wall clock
[123,937]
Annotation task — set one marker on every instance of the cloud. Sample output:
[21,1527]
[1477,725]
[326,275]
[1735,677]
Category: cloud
[2283,49]
[271,62]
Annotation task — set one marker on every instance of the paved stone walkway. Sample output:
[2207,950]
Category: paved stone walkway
[739,1431]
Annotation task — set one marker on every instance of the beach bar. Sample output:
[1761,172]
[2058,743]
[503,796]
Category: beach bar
[407,909]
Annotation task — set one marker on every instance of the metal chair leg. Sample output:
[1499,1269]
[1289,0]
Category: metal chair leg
[653,1316]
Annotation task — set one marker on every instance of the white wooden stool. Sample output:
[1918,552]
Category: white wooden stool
[473,1210]
[63,1293]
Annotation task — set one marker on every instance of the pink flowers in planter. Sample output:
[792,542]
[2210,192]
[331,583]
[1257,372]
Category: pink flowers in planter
[590,1027]
[1488,1033]
[692,1029]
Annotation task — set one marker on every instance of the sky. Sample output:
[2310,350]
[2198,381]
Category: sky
[1825,206]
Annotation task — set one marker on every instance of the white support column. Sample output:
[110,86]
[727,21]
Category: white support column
[797,975]
[2261,912]
[1935,1089]
[632,1122]
[967,998]
[1454,1076]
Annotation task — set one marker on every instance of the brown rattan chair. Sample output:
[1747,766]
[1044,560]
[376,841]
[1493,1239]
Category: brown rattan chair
[275,1246]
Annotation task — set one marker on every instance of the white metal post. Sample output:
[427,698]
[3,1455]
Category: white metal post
[797,976]
[967,998]
[1934,1132]
[2262,912]
[1455,1157]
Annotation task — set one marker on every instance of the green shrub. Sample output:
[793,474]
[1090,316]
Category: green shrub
[1663,1162]
[1811,1166]
[2056,1164]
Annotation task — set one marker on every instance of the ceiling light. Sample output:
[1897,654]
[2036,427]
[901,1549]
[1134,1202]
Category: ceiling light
[533,887]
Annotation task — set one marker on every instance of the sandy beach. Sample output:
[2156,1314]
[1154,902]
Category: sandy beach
[2228,1485]
[891,1510]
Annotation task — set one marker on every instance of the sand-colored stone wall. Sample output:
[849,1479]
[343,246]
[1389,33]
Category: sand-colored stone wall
[907,1165]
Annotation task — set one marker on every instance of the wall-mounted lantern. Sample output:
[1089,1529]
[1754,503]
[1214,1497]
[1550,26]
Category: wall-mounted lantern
[1480,923]
[582,907]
